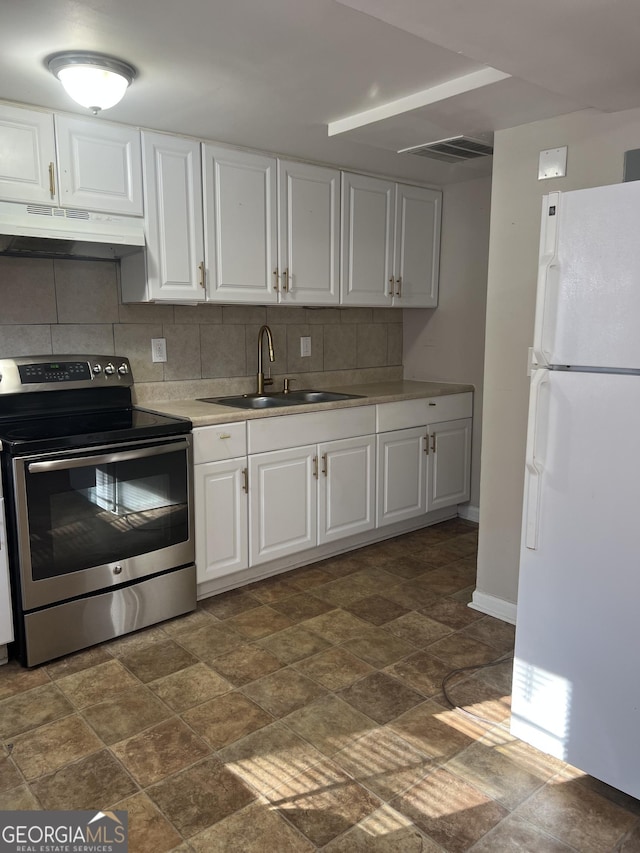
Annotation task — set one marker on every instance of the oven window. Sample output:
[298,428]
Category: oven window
[99,513]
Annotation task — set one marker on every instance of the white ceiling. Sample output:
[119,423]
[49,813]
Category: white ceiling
[274,75]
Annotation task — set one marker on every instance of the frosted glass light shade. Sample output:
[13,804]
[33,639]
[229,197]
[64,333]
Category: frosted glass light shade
[94,81]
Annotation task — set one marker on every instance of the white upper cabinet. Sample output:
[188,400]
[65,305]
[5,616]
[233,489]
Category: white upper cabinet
[308,234]
[417,247]
[100,166]
[390,243]
[368,210]
[28,156]
[72,162]
[240,225]
[174,258]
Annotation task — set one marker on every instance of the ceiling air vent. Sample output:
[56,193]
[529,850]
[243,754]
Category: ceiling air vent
[452,150]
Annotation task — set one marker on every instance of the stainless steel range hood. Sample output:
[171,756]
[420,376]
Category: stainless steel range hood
[43,231]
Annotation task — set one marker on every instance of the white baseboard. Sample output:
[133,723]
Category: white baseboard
[469,512]
[492,606]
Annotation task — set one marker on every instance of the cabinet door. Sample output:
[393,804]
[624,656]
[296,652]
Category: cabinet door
[28,156]
[173,218]
[346,488]
[368,207]
[283,503]
[450,463]
[221,518]
[241,225]
[309,234]
[100,166]
[402,464]
[417,247]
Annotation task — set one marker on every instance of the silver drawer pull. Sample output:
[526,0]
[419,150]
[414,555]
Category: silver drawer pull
[223,435]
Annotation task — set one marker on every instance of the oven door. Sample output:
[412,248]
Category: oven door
[94,519]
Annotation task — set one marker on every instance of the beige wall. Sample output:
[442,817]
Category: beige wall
[58,306]
[448,343]
[596,144]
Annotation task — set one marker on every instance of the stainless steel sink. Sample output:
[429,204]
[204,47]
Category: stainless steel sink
[279,400]
[320,396]
[252,401]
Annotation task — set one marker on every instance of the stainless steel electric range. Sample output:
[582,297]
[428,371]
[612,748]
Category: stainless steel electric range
[98,497]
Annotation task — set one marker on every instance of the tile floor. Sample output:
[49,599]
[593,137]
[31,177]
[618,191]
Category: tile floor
[305,713]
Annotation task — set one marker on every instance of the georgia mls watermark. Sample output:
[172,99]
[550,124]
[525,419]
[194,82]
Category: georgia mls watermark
[63,832]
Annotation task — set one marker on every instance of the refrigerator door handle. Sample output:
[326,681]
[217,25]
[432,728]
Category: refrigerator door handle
[534,458]
[548,282]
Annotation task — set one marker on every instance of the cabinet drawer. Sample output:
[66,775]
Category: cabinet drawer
[216,443]
[429,410]
[286,431]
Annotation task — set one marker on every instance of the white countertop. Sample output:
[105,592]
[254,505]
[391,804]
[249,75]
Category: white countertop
[205,414]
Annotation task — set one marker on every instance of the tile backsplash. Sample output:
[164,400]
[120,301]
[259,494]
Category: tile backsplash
[73,306]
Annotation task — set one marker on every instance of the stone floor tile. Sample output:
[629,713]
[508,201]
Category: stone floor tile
[255,829]
[245,663]
[456,651]
[513,833]
[96,684]
[323,801]
[33,708]
[77,662]
[127,643]
[272,589]
[53,745]
[494,632]
[451,612]
[336,626]
[329,723]
[9,775]
[189,687]
[437,732]
[16,679]
[418,629]
[381,697]
[158,660]
[260,622]
[210,641]
[383,831]
[383,762]
[227,604]
[20,798]
[199,618]
[301,606]
[334,669]
[283,691]
[226,719]
[125,714]
[423,672]
[97,781]
[200,796]
[160,751]
[148,830]
[449,810]
[376,609]
[378,647]
[293,644]
[577,816]
[309,577]
[268,757]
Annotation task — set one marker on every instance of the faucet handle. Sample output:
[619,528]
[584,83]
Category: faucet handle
[287,382]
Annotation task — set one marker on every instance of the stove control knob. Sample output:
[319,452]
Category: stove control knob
[109,369]
[123,369]
[117,570]
[97,368]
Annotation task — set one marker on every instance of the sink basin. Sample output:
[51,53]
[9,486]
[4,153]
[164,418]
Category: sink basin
[272,401]
[252,401]
[320,396]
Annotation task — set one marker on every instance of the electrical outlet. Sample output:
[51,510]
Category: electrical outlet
[158,349]
[305,347]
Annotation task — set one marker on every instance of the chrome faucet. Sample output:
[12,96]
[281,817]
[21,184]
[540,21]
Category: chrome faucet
[261,381]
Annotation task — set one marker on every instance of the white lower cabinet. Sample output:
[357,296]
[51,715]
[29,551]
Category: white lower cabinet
[310,495]
[283,500]
[221,518]
[422,469]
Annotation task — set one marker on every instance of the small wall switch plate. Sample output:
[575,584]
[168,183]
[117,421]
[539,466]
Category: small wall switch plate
[158,349]
[305,347]
[552,163]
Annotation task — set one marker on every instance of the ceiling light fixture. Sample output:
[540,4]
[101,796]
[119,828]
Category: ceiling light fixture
[93,80]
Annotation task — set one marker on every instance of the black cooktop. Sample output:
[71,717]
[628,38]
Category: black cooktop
[82,429]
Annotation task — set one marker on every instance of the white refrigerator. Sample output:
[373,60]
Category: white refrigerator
[576,685]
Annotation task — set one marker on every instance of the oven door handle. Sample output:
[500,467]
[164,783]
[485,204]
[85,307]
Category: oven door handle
[105,458]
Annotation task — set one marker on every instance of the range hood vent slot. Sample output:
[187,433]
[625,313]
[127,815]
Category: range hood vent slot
[453,150]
